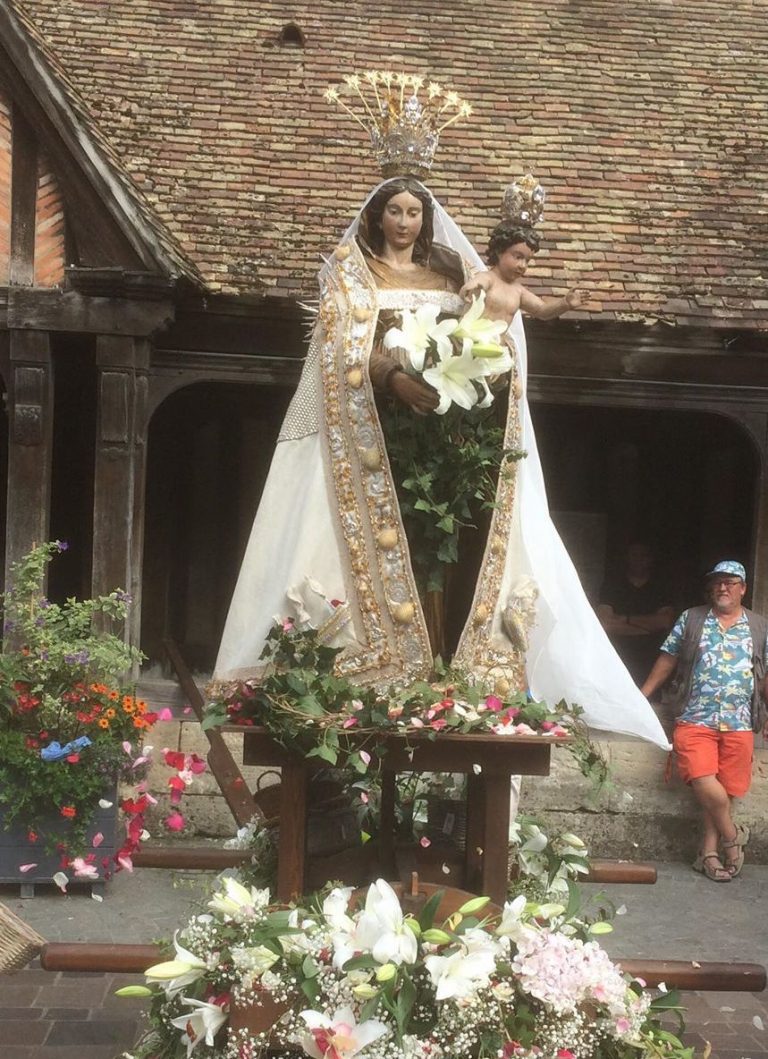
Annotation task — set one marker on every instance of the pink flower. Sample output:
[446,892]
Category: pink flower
[97,839]
[287,624]
[494,703]
[350,722]
[424,842]
[365,757]
[438,724]
[417,722]
[175,822]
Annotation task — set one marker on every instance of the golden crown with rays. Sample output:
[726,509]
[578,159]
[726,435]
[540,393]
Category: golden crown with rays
[404,115]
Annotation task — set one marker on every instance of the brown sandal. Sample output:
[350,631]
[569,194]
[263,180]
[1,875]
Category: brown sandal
[739,841]
[716,872]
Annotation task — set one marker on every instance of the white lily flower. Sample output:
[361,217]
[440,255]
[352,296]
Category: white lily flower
[418,329]
[512,925]
[339,1035]
[237,901]
[479,328]
[202,1023]
[175,975]
[535,840]
[461,973]
[381,930]
[453,377]
[335,909]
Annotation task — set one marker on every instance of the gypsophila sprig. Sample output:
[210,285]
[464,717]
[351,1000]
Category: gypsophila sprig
[347,974]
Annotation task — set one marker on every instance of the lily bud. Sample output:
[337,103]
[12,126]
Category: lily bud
[386,972]
[437,937]
[489,350]
[474,905]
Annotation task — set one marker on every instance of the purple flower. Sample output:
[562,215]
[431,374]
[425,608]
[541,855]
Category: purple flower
[122,597]
[45,603]
[9,626]
[62,546]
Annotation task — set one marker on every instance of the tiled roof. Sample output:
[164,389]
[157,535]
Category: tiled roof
[645,122]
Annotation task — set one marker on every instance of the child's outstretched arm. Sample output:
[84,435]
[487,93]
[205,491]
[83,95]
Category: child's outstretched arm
[552,307]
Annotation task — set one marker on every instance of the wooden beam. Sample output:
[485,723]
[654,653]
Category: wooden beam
[676,974]
[30,412]
[54,310]
[222,764]
[23,200]
[198,858]
[620,871]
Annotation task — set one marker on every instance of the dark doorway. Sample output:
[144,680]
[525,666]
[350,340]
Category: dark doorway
[210,447]
[684,482]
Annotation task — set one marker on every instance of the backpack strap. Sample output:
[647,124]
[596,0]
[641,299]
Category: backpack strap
[686,657]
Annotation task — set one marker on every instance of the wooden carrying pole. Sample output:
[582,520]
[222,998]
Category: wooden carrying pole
[678,974]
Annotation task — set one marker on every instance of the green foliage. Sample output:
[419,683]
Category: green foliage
[62,675]
[445,469]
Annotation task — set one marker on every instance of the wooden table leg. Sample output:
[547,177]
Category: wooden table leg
[387,824]
[292,844]
[496,835]
[474,850]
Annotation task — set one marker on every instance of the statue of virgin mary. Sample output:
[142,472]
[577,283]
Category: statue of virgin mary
[328,546]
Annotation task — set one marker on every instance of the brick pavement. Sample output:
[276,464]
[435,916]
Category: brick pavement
[76,1015]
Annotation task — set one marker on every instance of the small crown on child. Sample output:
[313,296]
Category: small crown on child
[404,128]
[524,201]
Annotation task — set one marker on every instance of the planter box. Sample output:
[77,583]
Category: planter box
[16,849]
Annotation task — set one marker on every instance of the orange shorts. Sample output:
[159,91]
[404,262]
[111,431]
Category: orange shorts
[707,752]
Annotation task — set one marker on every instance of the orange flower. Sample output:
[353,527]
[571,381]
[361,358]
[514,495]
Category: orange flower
[113,695]
[103,722]
[110,714]
[129,707]
[139,722]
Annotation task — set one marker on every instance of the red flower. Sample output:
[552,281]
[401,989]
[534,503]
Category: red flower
[73,758]
[68,811]
[31,836]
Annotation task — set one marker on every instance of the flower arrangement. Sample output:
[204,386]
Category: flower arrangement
[307,708]
[456,357]
[342,975]
[69,725]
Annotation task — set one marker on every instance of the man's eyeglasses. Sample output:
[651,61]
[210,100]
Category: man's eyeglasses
[726,582]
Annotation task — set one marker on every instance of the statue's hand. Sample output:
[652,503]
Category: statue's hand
[419,397]
[471,288]
[576,298]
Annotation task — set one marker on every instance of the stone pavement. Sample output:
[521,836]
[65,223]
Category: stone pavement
[76,1015]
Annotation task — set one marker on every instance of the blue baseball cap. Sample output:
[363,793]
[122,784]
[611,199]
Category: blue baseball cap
[729,566]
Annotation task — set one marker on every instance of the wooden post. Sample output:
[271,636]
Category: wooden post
[30,413]
[121,442]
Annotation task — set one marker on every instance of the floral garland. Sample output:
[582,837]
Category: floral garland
[340,975]
[305,707]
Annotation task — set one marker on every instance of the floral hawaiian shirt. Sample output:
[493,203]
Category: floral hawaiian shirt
[721,691]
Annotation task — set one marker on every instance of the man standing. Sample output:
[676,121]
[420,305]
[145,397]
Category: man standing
[717,654]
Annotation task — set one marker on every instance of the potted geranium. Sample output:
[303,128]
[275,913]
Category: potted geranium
[70,726]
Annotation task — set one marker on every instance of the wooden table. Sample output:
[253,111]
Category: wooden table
[487,760]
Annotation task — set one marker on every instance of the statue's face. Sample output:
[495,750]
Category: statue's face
[401,220]
[513,262]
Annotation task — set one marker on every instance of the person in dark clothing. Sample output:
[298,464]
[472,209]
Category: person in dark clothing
[636,611]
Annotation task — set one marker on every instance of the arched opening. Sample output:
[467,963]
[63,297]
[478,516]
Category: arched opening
[209,451]
[684,482]
[291,36]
